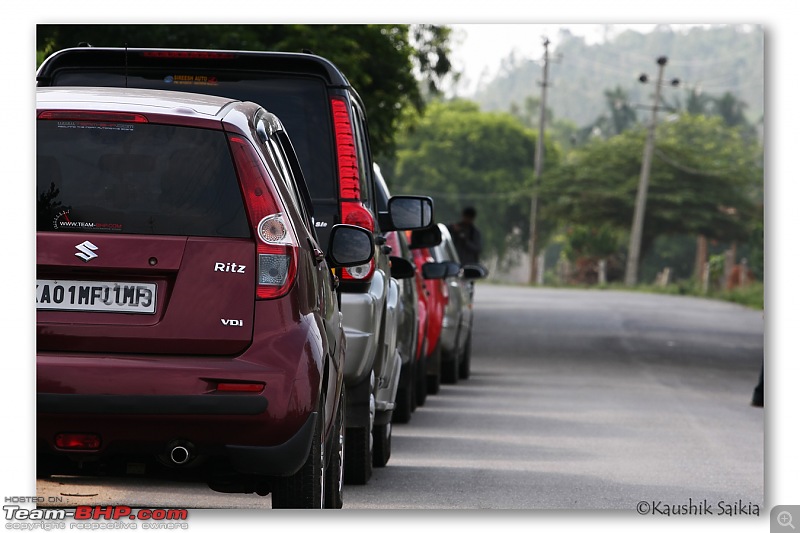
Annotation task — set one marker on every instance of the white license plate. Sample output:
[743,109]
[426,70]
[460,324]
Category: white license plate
[98,296]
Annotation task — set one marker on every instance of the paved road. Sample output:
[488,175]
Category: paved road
[578,400]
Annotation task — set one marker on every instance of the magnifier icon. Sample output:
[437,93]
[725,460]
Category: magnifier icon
[785,519]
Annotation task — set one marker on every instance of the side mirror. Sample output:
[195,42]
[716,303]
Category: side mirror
[350,246]
[402,268]
[453,268]
[474,272]
[445,269]
[407,213]
[425,238]
[434,271]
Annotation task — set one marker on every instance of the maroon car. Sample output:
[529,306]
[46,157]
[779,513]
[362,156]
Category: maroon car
[188,324]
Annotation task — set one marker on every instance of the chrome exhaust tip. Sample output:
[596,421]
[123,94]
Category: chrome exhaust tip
[179,455]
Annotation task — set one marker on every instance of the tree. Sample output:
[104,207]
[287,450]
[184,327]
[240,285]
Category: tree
[562,132]
[705,180]
[387,86]
[623,115]
[698,102]
[462,156]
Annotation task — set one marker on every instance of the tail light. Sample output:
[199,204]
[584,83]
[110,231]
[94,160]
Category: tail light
[94,116]
[77,441]
[352,211]
[275,238]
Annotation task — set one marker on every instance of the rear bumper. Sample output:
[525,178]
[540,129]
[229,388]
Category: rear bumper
[280,460]
[91,404]
[139,406]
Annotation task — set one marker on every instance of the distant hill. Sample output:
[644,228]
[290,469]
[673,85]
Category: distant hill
[714,60]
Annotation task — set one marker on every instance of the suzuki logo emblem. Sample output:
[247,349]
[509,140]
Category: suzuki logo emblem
[85,251]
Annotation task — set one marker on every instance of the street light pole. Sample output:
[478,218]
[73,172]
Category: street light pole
[537,172]
[631,270]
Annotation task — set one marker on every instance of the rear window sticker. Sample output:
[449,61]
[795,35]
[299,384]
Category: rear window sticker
[63,221]
[191,79]
[81,125]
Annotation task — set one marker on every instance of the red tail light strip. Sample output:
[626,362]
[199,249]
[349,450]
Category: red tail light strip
[97,116]
[174,54]
[349,185]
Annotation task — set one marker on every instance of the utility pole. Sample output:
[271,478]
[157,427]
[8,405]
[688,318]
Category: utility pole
[537,163]
[632,267]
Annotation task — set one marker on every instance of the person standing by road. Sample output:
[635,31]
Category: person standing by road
[467,237]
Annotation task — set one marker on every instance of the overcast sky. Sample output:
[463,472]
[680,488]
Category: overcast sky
[478,49]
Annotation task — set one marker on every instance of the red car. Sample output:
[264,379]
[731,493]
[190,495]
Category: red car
[436,297]
[188,325]
[423,326]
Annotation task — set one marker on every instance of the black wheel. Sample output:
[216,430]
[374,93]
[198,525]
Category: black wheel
[405,402]
[421,385]
[382,436]
[435,373]
[334,474]
[43,468]
[463,368]
[450,370]
[306,488]
[412,386]
[357,456]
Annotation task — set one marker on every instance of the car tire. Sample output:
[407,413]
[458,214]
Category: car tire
[306,488]
[334,480]
[405,401]
[464,367]
[450,370]
[357,456]
[421,385]
[434,380]
[382,437]
[412,386]
[43,468]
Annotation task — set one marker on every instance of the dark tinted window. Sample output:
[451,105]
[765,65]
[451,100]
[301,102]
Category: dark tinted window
[136,178]
[363,157]
[300,103]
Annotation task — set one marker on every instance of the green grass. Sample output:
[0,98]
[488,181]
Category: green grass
[751,295]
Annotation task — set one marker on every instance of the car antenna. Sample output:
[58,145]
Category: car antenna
[126,65]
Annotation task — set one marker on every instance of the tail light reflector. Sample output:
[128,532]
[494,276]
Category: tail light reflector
[276,243]
[77,441]
[240,387]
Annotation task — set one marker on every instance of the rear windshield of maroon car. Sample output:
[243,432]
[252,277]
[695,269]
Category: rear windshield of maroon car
[136,178]
[300,103]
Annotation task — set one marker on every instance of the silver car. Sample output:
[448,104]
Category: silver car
[456,336]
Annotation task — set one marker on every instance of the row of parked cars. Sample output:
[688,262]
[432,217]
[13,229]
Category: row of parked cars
[226,290]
